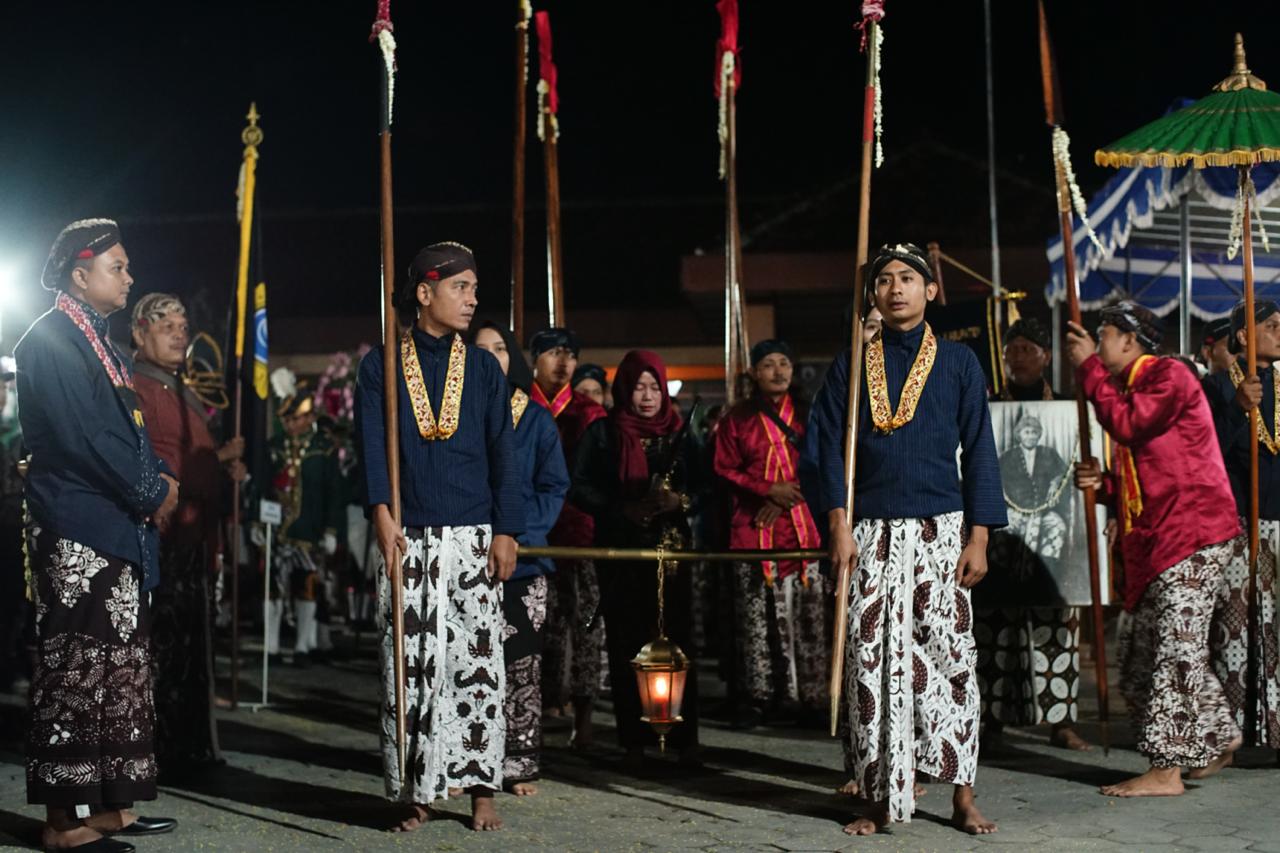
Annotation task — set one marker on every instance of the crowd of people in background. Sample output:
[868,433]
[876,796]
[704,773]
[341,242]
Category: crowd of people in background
[128,491]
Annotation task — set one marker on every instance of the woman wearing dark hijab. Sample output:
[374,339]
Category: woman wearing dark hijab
[632,473]
[545,480]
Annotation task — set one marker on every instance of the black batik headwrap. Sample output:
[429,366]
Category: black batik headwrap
[79,241]
[549,339]
[590,371]
[1031,329]
[1129,316]
[518,373]
[1215,331]
[1262,309]
[434,263]
[766,348]
[909,253]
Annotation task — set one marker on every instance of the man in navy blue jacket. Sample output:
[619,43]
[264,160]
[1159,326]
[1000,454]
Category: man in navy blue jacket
[96,492]
[461,504]
[916,544]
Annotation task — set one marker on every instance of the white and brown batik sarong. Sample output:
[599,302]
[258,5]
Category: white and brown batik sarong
[524,605]
[1229,643]
[89,744]
[455,680]
[1029,664]
[1175,701]
[909,661]
[780,636]
[574,637]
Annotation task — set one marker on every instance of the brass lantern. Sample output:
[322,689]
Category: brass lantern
[661,669]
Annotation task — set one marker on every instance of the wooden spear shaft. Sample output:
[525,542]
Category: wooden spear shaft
[555,262]
[1086,454]
[736,345]
[840,628]
[1251,362]
[518,158]
[391,419]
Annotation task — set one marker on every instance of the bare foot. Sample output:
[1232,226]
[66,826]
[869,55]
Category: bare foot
[417,817]
[455,792]
[484,817]
[849,789]
[523,789]
[1156,782]
[965,815]
[1223,760]
[1068,738]
[876,819]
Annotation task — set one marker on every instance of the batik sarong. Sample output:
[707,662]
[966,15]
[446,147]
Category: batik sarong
[1229,645]
[574,634]
[1175,701]
[524,604]
[1029,664]
[89,741]
[454,673]
[909,661]
[781,639]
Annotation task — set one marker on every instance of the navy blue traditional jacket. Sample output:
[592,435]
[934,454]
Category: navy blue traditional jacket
[94,477]
[471,478]
[546,482]
[911,472]
[1232,425]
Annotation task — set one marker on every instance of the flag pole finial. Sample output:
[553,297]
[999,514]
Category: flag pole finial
[251,136]
[1240,77]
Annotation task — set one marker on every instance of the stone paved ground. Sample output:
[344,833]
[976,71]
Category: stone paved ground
[305,775]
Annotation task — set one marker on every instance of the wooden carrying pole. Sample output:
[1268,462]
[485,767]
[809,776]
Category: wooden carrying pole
[390,381]
[840,628]
[549,133]
[1251,363]
[524,13]
[1053,113]
[251,136]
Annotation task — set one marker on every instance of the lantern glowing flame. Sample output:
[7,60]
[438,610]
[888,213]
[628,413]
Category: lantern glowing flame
[661,668]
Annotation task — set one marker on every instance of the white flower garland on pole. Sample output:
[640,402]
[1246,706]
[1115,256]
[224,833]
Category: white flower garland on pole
[727,65]
[1062,153]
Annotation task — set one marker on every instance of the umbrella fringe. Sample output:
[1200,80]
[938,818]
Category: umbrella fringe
[1243,157]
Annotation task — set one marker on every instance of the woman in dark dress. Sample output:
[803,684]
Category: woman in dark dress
[632,473]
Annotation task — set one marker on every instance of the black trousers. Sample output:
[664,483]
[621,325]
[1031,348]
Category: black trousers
[629,598]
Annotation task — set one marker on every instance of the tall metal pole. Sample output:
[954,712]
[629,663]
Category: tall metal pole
[1184,276]
[996,288]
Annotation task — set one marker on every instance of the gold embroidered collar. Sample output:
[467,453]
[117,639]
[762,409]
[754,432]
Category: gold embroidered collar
[1269,441]
[430,427]
[882,415]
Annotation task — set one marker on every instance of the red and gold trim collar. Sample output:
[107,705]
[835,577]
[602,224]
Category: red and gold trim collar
[557,406]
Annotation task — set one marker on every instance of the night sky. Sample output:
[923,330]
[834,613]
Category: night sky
[134,110]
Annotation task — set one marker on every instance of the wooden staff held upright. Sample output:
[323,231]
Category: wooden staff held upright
[1053,113]
[382,36]
[549,133]
[525,11]
[871,29]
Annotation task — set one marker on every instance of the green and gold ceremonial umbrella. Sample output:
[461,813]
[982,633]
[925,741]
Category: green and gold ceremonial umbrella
[1238,124]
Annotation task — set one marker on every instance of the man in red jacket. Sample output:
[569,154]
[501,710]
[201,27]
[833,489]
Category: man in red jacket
[1177,519]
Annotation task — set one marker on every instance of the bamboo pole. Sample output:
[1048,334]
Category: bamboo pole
[840,629]
[525,11]
[390,377]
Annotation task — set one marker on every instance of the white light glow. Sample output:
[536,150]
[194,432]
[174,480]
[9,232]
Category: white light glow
[673,387]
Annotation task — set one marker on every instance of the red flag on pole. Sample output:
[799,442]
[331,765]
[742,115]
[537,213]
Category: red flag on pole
[547,67]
